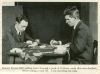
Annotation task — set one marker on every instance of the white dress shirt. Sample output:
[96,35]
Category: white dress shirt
[19,33]
[76,24]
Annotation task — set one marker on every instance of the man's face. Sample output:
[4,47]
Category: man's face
[22,26]
[70,20]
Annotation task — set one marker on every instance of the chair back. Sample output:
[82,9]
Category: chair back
[95,53]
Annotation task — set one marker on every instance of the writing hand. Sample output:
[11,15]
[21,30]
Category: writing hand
[29,42]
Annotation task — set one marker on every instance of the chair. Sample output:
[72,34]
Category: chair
[95,55]
[6,57]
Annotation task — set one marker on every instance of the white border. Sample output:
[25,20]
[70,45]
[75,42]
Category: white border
[80,71]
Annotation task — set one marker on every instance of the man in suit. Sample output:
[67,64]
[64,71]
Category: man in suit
[17,36]
[81,47]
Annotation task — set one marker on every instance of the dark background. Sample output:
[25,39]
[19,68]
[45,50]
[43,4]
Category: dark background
[46,20]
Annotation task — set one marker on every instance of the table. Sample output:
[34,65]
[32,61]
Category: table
[47,52]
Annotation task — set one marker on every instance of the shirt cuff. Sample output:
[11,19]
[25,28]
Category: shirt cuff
[60,42]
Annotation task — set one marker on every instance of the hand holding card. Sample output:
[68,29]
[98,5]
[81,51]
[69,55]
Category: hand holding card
[33,44]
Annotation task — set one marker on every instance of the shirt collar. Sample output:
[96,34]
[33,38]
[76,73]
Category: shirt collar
[17,30]
[76,24]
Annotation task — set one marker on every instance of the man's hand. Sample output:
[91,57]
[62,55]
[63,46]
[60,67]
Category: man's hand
[33,44]
[29,42]
[67,44]
[54,42]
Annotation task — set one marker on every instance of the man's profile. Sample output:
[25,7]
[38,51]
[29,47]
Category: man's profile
[81,47]
[17,36]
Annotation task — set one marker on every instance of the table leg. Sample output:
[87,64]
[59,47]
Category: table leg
[11,60]
[59,60]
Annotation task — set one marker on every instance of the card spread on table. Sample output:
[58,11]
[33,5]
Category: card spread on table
[32,58]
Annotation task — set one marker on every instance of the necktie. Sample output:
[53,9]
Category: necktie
[19,36]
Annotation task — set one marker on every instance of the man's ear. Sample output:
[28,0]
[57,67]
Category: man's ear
[75,18]
[16,23]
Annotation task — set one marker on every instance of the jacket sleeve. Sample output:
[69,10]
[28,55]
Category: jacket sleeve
[27,37]
[13,42]
[79,41]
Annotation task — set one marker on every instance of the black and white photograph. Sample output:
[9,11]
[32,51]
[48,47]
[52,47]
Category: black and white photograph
[51,33]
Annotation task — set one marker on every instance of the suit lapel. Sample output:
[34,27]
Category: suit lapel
[75,30]
[15,34]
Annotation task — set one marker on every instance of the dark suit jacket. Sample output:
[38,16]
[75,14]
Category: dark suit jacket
[14,39]
[81,49]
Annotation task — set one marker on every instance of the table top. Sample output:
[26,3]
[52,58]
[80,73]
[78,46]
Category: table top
[28,56]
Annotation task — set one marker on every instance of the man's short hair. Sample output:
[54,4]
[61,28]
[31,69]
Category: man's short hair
[19,18]
[72,11]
